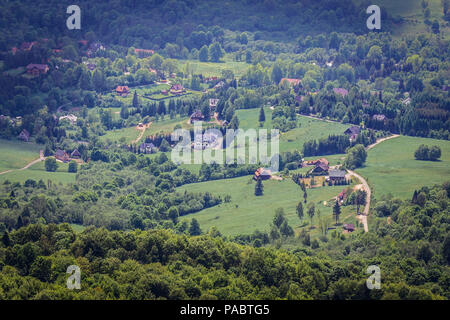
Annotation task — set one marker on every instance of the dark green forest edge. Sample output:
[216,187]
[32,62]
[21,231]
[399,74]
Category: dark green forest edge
[133,244]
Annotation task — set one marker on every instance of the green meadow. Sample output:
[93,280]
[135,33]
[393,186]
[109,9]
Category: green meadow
[214,69]
[37,172]
[392,169]
[294,139]
[15,154]
[247,212]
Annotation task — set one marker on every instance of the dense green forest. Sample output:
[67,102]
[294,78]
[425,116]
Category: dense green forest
[411,251]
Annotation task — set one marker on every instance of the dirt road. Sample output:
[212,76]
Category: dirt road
[381,140]
[41,158]
[365,186]
[142,129]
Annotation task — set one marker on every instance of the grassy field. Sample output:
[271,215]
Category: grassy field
[391,167]
[37,172]
[16,154]
[247,213]
[130,134]
[411,12]
[211,69]
[293,139]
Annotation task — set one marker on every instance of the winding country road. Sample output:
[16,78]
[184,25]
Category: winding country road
[363,217]
[41,158]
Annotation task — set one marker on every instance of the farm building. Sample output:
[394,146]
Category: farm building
[177,89]
[147,148]
[353,132]
[24,135]
[72,118]
[122,91]
[320,169]
[349,227]
[196,116]
[61,155]
[262,174]
[37,69]
[75,154]
[379,117]
[337,175]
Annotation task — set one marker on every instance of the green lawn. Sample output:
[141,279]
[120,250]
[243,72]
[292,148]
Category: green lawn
[37,172]
[391,167]
[130,134]
[247,213]
[16,154]
[211,69]
[293,139]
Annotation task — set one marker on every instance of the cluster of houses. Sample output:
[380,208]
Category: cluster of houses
[321,168]
[63,156]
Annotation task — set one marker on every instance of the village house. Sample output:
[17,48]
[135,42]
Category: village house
[72,118]
[122,91]
[142,53]
[406,101]
[196,116]
[349,227]
[341,91]
[164,92]
[262,174]
[177,89]
[213,103]
[24,135]
[37,69]
[320,169]
[316,162]
[147,148]
[379,117]
[353,132]
[61,155]
[291,82]
[337,175]
[75,154]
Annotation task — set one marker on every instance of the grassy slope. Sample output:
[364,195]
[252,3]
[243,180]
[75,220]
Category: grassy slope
[211,69]
[37,172]
[391,167]
[246,212]
[16,154]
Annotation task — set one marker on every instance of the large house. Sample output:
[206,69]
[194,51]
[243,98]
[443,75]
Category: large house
[61,155]
[291,82]
[72,118]
[24,135]
[177,89]
[337,175]
[262,174]
[353,132]
[320,169]
[213,103]
[122,91]
[196,116]
[37,69]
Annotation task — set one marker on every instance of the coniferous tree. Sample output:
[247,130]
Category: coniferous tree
[259,188]
[336,211]
[262,116]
